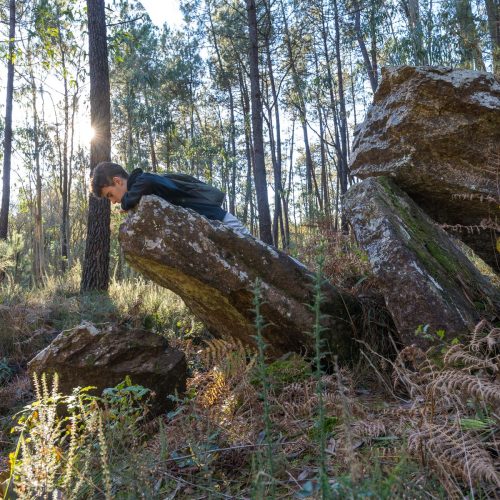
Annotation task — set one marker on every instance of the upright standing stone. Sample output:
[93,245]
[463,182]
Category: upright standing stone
[427,282]
[436,132]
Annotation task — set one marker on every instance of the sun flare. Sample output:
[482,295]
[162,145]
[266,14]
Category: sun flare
[86,133]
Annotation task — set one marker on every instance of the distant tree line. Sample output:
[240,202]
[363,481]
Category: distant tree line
[259,97]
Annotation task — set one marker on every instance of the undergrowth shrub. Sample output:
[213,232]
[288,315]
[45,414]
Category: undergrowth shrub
[77,455]
[291,427]
[434,432]
[344,264]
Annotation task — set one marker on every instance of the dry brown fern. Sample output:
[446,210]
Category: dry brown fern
[297,401]
[462,452]
[369,428]
[210,387]
[465,386]
[412,371]
[457,354]
[301,399]
[232,357]
[485,336]
[217,351]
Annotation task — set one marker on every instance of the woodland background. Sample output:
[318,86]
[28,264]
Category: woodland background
[181,100]
[260,98]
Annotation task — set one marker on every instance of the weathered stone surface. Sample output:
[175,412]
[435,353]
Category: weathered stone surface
[87,356]
[213,269]
[436,131]
[424,276]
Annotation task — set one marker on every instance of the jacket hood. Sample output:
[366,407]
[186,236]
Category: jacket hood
[133,176]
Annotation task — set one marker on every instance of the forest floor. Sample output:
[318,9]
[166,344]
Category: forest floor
[409,425]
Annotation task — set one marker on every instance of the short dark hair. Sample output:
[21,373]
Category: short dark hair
[103,174]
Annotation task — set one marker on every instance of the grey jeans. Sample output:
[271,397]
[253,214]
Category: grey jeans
[231,221]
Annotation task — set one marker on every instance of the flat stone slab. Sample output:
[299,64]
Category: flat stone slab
[89,356]
[423,274]
[214,270]
[436,132]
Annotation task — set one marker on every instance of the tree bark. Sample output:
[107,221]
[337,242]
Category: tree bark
[96,264]
[372,74]
[226,85]
[373,35]
[470,46]
[493,11]
[4,211]
[341,164]
[311,183]
[149,111]
[324,170]
[245,104]
[278,225]
[64,166]
[257,129]
[38,239]
[343,158]
[412,12]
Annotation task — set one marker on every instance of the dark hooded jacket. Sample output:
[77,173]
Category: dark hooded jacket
[142,183]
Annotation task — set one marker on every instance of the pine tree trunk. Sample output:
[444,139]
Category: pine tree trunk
[95,274]
[340,164]
[4,211]
[233,162]
[245,104]
[257,129]
[286,198]
[470,44]
[226,84]
[342,115]
[38,239]
[373,36]
[154,160]
[324,170]
[412,12]
[311,183]
[64,176]
[372,75]
[493,11]
[130,134]
[278,224]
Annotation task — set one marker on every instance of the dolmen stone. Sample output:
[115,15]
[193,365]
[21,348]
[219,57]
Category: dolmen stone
[430,286]
[436,132]
[89,356]
[214,270]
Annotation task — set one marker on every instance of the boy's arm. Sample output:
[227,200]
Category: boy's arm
[141,187]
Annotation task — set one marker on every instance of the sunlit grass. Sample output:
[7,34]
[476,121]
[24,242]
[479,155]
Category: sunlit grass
[59,305]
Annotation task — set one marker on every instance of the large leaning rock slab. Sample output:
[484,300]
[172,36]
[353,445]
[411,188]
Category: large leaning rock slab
[424,276]
[86,355]
[213,269]
[436,131]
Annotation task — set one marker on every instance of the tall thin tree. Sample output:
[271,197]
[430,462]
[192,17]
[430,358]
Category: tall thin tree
[493,11]
[4,212]
[265,230]
[95,274]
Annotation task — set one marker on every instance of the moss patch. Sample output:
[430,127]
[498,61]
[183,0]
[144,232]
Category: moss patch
[435,250]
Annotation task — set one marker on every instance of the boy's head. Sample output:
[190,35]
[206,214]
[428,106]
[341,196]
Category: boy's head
[109,180]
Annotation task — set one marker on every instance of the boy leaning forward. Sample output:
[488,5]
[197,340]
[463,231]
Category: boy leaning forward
[112,181]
